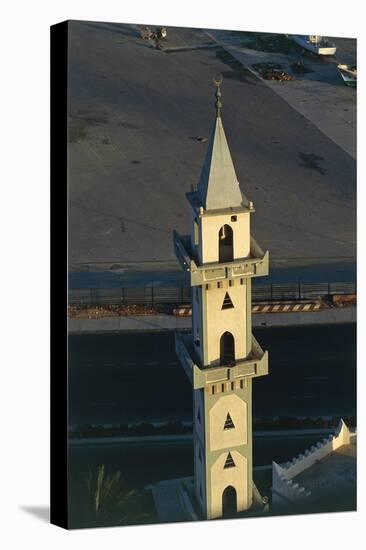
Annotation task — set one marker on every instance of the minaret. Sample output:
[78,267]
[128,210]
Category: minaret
[220,355]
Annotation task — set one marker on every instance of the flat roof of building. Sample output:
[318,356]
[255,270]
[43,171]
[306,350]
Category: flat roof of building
[332,480]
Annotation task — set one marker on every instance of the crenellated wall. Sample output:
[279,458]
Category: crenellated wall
[283,487]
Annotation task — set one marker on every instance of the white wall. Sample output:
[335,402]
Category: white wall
[219,320]
[209,237]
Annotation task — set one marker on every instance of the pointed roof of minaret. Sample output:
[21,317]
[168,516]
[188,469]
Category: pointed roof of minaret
[218,185]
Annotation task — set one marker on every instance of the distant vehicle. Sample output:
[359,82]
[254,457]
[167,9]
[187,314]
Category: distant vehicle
[315,44]
[349,74]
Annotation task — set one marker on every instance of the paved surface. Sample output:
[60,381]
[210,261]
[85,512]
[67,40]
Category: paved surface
[169,322]
[320,94]
[171,500]
[135,114]
[130,377]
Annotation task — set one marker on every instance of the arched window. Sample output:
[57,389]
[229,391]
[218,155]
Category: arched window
[226,252]
[229,502]
[227,349]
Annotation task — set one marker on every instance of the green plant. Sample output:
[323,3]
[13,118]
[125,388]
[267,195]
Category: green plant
[106,497]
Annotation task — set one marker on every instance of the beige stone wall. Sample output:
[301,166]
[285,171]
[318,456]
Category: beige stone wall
[219,320]
[212,442]
[209,237]
[238,410]
[220,478]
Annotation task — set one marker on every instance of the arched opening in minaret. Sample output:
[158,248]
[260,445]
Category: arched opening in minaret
[229,502]
[226,251]
[227,349]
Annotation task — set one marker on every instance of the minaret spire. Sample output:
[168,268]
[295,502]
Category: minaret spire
[218,81]
[218,186]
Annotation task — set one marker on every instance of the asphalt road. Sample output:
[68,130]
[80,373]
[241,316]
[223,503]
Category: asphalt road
[136,377]
[135,114]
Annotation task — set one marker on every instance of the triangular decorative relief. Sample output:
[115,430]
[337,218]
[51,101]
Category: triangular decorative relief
[227,303]
[229,424]
[229,463]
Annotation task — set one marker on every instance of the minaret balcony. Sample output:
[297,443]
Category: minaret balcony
[255,265]
[256,364]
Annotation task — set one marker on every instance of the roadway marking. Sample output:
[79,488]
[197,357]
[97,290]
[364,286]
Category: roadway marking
[262,308]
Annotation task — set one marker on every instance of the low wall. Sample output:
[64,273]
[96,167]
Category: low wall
[283,487]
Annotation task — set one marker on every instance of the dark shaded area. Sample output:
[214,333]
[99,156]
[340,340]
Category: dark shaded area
[238,72]
[139,464]
[129,125]
[139,372]
[281,272]
[260,426]
[312,371]
[59,254]
[272,43]
[299,67]
[125,378]
[130,430]
[130,378]
[310,160]
[142,463]
[229,502]
[188,49]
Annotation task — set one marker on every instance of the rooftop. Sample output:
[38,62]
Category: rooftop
[332,480]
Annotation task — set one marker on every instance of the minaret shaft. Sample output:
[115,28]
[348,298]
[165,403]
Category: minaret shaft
[220,355]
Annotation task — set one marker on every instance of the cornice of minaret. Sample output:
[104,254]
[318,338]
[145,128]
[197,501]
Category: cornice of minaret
[218,185]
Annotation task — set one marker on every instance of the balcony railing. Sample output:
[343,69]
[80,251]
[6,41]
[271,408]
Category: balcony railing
[256,364]
[256,264]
